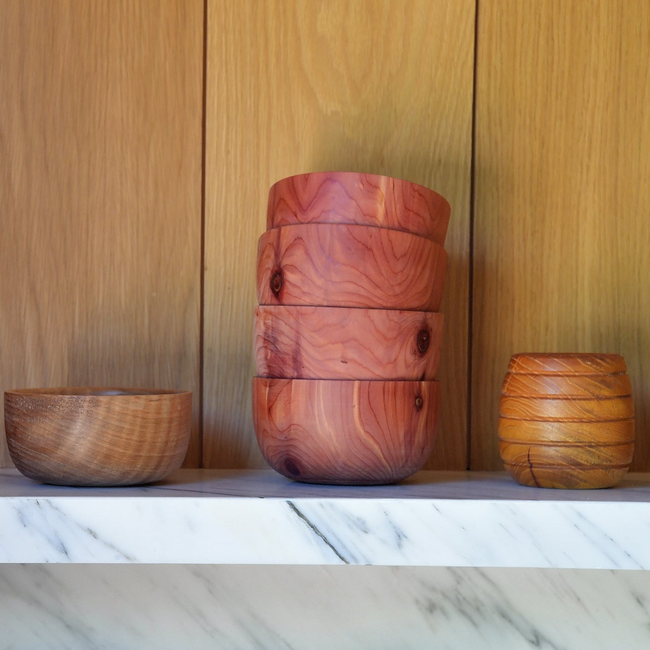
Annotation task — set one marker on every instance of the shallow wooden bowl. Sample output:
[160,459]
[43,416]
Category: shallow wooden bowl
[349,266]
[344,343]
[97,436]
[365,199]
[345,432]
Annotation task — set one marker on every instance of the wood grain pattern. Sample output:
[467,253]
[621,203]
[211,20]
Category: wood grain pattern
[100,195]
[345,432]
[562,190]
[578,386]
[594,459]
[341,343]
[349,266]
[567,478]
[299,86]
[576,410]
[567,456]
[564,424]
[544,431]
[568,363]
[364,199]
[97,436]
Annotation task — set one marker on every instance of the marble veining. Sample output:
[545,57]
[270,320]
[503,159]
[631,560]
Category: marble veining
[75,607]
[436,519]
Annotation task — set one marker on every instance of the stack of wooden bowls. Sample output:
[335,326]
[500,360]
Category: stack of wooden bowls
[347,335]
[566,420]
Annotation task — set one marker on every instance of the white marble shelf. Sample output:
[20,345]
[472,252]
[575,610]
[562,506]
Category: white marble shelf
[435,519]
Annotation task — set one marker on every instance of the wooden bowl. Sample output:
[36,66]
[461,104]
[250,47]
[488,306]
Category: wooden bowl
[345,432]
[349,266]
[343,343]
[364,199]
[97,436]
[566,420]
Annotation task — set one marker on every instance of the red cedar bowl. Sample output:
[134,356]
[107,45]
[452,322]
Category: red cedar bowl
[97,436]
[365,199]
[345,432]
[349,266]
[346,343]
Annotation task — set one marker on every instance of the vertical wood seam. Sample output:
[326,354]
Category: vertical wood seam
[470,288]
[203,210]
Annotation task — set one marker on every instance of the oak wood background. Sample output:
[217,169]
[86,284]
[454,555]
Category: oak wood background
[562,202]
[100,195]
[303,85]
[103,160]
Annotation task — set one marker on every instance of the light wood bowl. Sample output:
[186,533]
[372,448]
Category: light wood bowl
[566,420]
[349,266]
[97,436]
[345,432]
[364,199]
[344,343]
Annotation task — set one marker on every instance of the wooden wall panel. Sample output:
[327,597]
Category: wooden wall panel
[304,85]
[562,223]
[100,194]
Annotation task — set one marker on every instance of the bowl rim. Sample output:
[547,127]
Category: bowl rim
[95,391]
[351,174]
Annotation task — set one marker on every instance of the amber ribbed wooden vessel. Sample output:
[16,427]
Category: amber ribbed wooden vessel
[97,436]
[566,420]
[345,432]
[570,409]
[340,265]
[564,386]
[354,198]
[344,343]
[566,363]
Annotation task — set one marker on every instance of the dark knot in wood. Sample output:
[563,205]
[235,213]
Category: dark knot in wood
[424,338]
[276,283]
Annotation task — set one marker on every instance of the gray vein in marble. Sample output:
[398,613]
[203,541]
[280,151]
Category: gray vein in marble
[135,607]
[315,530]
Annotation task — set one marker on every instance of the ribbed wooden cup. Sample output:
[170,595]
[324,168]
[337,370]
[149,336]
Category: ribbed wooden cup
[566,420]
